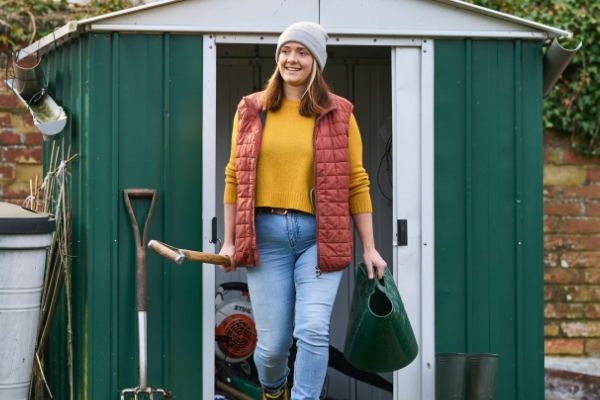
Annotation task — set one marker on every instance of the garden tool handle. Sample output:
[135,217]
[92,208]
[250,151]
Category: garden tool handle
[141,285]
[177,256]
[164,250]
[234,392]
[208,258]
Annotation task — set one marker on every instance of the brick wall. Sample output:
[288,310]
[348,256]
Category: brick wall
[572,250]
[20,148]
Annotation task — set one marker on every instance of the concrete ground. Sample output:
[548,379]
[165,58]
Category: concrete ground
[569,378]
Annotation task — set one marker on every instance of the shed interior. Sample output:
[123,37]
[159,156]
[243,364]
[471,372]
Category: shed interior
[362,75]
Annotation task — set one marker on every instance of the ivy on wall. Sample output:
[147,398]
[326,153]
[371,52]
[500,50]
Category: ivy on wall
[573,106]
[24,21]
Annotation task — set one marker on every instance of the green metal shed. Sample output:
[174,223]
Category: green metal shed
[150,93]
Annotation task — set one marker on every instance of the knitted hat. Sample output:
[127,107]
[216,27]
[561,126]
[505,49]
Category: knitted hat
[309,34]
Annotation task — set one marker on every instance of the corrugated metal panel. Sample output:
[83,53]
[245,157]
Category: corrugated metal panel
[222,15]
[134,103]
[417,15]
[327,10]
[65,82]
[489,281]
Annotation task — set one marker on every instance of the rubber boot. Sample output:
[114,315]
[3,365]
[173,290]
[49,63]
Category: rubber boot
[450,376]
[481,376]
[283,394]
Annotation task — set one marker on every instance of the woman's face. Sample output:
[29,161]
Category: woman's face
[295,64]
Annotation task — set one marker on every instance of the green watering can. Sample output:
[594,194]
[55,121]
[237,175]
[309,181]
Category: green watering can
[379,337]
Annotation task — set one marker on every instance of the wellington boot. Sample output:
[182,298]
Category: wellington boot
[282,395]
[481,371]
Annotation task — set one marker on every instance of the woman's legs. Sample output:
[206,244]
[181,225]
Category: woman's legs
[272,294]
[287,293]
[315,296]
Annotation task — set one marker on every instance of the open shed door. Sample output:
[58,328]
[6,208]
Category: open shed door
[392,98]
[413,267]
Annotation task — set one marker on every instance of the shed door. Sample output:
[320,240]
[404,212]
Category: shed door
[385,109]
[413,205]
[362,75]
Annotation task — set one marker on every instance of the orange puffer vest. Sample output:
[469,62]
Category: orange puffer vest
[332,183]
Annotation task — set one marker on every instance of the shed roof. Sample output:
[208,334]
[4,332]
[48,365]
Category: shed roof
[395,18]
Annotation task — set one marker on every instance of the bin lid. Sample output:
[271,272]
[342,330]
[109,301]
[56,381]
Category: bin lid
[17,220]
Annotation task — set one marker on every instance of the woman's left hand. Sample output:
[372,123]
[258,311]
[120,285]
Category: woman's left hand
[371,258]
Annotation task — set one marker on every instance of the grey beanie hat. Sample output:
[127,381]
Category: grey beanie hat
[311,35]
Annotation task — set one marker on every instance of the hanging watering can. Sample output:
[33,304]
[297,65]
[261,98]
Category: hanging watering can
[379,337]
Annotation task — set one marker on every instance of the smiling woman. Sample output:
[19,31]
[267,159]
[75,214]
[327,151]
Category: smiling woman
[298,77]
[295,65]
[294,178]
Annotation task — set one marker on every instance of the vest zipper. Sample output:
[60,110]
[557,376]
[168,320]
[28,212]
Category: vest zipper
[318,270]
[259,142]
[253,215]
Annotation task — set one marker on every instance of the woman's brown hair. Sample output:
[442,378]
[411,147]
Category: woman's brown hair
[314,101]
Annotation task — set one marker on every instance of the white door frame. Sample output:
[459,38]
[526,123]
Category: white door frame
[413,263]
[413,148]
[209,150]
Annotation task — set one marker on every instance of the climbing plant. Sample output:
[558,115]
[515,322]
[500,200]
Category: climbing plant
[24,21]
[573,106]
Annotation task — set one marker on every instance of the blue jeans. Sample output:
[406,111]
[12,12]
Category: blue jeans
[290,296]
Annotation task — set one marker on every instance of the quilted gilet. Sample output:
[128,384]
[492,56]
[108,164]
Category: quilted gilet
[332,183]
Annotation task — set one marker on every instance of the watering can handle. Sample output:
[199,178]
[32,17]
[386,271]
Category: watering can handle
[177,256]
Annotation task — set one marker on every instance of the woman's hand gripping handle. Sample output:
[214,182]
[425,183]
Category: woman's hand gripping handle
[372,259]
[364,226]
[229,251]
[228,248]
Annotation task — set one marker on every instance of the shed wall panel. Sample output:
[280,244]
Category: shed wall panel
[66,89]
[136,103]
[139,125]
[183,214]
[489,284]
[533,241]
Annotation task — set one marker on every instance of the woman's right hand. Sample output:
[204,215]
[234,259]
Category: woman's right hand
[229,251]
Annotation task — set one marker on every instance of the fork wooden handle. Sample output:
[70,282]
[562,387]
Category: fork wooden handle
[208,258]
[179,255]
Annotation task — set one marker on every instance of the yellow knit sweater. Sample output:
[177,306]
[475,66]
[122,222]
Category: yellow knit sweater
[285,170]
